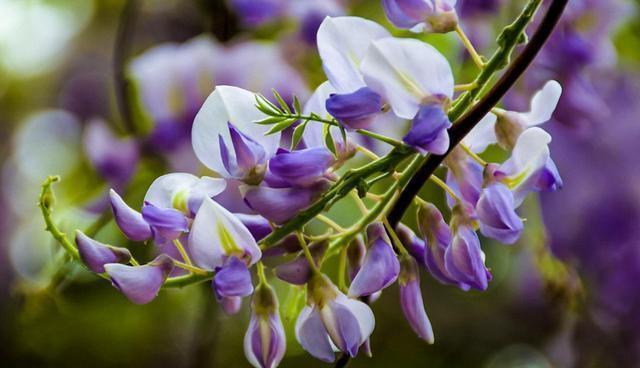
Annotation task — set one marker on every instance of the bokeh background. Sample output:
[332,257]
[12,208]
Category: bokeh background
[102,92]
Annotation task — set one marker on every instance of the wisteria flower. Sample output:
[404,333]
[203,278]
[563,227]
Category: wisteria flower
[265,341]
[422,15]
[226,139]
[332,320]
[140,284]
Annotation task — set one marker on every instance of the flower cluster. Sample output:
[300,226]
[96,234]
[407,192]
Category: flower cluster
[285,183]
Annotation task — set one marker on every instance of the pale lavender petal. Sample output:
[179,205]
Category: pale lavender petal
[497,216]
[343,327]
[312,335]
[129,220]
[95,254]
[397,16]
[140,284]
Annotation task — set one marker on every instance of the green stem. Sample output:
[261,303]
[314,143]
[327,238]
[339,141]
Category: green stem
[46,201]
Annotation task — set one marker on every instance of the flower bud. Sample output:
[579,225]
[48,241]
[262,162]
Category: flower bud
[356,252]
[129,220]
[437,16]
[265,340]
[140,284]
[95,254]
[411,299]
[379,270]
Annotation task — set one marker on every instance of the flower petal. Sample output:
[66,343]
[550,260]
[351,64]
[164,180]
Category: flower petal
[543,104]
[406,72]
[95,254]
[312,335]
[301,168]
[464,260]
[233,279]
[129,220]
[140,284]
[497,216]
[411,300]
[483,135]
[428,131]
[379,270]
[278,204]
[342,43]
[356,109]
[183,191]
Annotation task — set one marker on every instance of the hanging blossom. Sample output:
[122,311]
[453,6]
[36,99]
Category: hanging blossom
[438,16]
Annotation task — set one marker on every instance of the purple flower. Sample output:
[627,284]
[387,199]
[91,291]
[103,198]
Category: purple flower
[140,284]
[464,260]
[497,216]
[331,319]
[114,158]
[411,299]
[226,120]
[254,13]
[379,269]
[265,341]
[95,254]
[247,161]
[129,220]
[428,131]
[233,279]
[354,110]
[549,179]
[414,245]
[301,168]
[437,237]
[464,177]
[422,15]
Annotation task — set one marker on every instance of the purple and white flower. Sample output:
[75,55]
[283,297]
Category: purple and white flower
[140,284]
[332,321]
[265,341]
[437,16]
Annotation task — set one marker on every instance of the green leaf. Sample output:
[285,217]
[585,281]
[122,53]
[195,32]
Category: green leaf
[281,101]
[296,105]
[266,106]
[281,126]
[270,120]
[328,139]
[297,134]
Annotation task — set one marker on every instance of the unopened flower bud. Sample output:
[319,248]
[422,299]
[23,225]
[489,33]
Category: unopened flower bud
[95,254]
